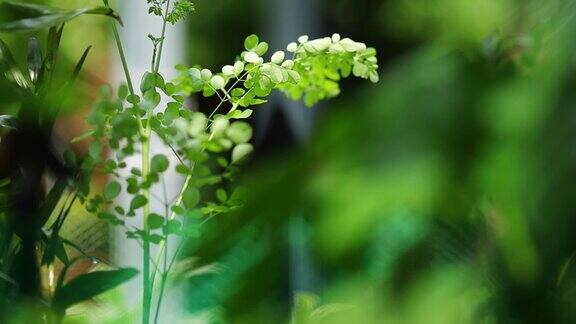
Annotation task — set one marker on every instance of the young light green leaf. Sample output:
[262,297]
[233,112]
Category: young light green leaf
[191,197]
[241,151]
[239,132]
[251,42]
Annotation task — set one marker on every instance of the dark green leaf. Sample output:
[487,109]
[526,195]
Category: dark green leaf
[52,200]
[34,59]
[159,163]
[34,17]
[155,221]
[88,286]
[81,63]
[10,70]
[138,201]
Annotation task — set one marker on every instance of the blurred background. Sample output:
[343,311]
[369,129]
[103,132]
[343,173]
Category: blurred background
[443,194]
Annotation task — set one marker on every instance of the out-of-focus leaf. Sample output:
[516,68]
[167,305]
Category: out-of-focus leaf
[7,278]
[52,200]
[8,121]
[33,17]
[34,59]
[304,306]
[52,45]
[90,285]
[9,69]
[81,63]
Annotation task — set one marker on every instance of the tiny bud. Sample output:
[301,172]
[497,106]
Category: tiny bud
[303,39]
[336,38]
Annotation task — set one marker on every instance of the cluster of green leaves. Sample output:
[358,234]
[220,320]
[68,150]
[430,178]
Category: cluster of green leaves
[41,96]
[322,62]
[208,149]
[195,140]
[180,10]
[313,72]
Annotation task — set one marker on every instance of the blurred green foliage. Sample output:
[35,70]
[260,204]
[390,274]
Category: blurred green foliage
[443,195]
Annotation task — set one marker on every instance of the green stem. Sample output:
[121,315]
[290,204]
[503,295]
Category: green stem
[159,57]
[148,279]
[122,58]
[147,296]
[125,67]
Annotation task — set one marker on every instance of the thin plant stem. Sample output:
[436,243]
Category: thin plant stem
[148,281]
[159,56]
[122,58]
[146,244]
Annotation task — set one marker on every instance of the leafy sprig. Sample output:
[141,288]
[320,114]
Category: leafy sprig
[180,10]
[209,149]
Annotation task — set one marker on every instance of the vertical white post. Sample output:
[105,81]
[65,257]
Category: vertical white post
[138,24]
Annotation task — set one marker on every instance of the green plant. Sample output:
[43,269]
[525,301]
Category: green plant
[29,220]
[210,148]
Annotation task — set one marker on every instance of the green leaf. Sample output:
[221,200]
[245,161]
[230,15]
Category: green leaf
[88,286]
[34,59]
[138,201]
[240,114]
[239,132]
[221,195]
[80,63]
[112,190]
[172,227]
[304,305]
[159,163]
[31,17]
[191,197]
[155,221]
[148,82]
[251,41]
[240,152]
[87,134]
[52,199]
[9,69]
[261,48]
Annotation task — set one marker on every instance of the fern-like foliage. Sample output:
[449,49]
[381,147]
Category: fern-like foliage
[179,10]
[313,72]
